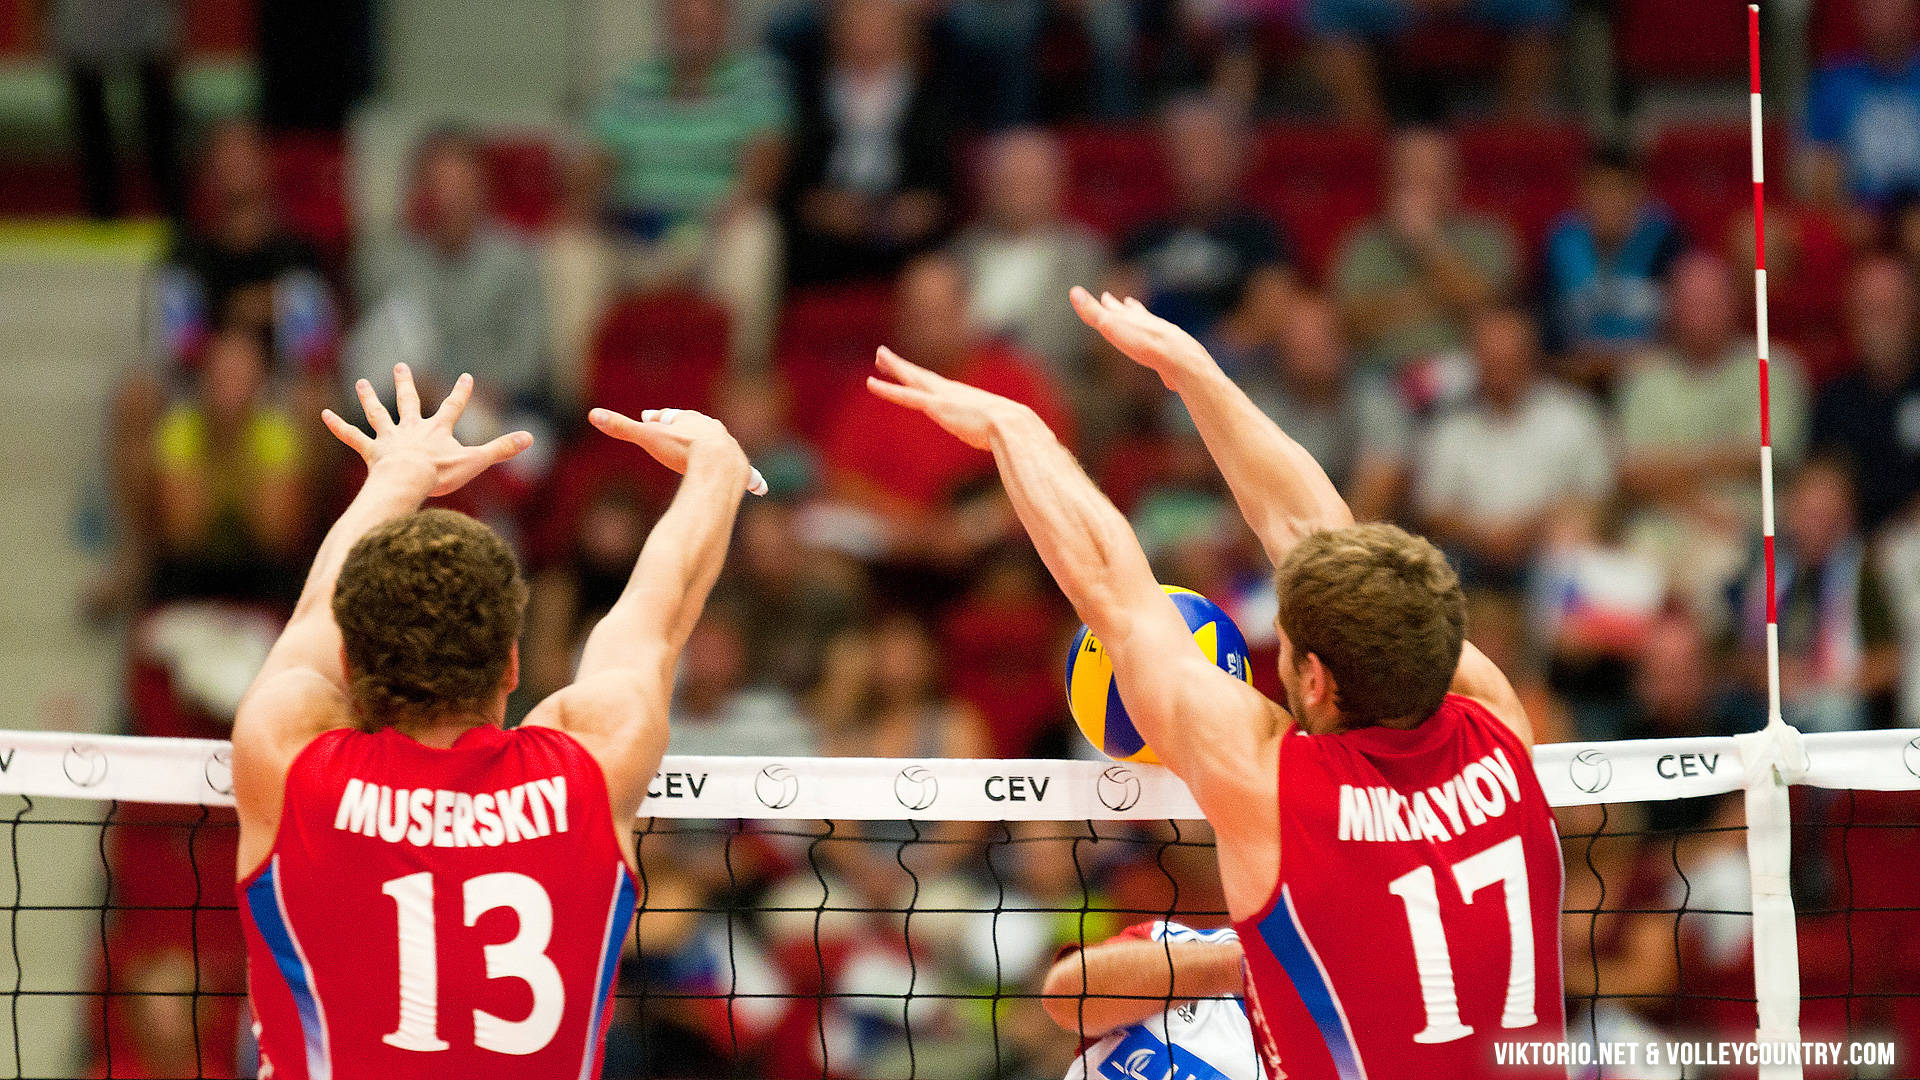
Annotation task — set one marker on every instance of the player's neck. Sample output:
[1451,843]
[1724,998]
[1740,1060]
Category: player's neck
[1402,723]
[443,731]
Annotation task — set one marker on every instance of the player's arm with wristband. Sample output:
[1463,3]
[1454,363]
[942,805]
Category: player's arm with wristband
[1214,731]
[301,690]
[1126,980]
[1283,493]
[617,704]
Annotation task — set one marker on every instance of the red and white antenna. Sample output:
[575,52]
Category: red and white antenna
[1760,337]
[1776,959]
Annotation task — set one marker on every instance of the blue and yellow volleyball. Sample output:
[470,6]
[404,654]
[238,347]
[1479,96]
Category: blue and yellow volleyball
[1094,699]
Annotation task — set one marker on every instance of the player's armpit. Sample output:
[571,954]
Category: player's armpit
[1478,678]
[620,717]
[284,712]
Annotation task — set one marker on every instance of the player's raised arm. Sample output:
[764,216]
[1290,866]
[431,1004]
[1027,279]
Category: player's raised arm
[617,705]
[408,460]
[301,690]
[1283,493]
[1129,979]
[1213,730]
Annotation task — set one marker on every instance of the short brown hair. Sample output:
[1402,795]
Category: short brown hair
[1383,611]
[429,607]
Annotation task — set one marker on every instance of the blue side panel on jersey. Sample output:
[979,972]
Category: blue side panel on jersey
[1142,1055]
[1284,940]
[1122,739]
[623,904]
[263,903]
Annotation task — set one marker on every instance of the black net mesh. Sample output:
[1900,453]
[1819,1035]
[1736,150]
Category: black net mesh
[1858,894]
[918,949]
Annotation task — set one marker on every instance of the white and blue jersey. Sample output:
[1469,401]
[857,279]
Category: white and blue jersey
[1210,1039]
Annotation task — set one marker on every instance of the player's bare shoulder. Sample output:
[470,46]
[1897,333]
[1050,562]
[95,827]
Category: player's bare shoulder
[276,720]
[280,716]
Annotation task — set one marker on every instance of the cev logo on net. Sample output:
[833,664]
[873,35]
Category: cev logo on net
[916,788]
[776,787]
[1590,770]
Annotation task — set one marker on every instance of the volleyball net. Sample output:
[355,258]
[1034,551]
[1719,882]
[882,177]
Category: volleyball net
[852,918]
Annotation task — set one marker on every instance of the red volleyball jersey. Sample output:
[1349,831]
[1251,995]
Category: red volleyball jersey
[1416,922]
[438,912]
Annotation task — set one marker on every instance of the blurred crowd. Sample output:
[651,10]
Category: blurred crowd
[1532,344]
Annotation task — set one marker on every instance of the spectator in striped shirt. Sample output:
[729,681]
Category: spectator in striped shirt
[696,143]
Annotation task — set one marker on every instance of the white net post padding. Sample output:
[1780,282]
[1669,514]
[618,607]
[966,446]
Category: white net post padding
[1772,759]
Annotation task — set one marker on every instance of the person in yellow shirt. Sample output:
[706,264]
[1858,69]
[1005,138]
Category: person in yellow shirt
[230,481]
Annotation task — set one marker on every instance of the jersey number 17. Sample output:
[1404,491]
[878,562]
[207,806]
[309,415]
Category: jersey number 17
[1504,862]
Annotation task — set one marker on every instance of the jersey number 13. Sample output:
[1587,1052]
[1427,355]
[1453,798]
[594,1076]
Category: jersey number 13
[524,958]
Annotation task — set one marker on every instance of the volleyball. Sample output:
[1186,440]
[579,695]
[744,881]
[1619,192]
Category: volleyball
[1094,699]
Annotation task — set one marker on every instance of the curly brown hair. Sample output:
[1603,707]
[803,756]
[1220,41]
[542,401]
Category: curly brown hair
[429,607]
[1383,611]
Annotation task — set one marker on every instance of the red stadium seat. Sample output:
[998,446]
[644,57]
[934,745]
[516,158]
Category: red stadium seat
[1002,658]
[1834,30]
[662,349]
[1806,285]
[20,34]
[1525,173]
[1116,178]
[1830,964]
[825,347]
[521,174]
[222,28]
[1869,856]
[1704,173]
[309,173]
[658,349]
[1448,47]
[1680,41]
[588,466]
[1317,182]
[1279,41]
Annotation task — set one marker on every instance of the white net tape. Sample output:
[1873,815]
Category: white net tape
[196,772]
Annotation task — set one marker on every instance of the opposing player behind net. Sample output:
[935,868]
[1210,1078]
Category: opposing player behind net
[1415,917]
[424,893]
[1157,1000]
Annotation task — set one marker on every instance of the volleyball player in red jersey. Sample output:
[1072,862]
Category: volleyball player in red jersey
[1387,854]
[424,893]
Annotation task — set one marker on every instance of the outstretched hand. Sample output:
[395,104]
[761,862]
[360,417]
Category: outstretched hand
[428,440]
[967,412]
[670,435]
[1144,337]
